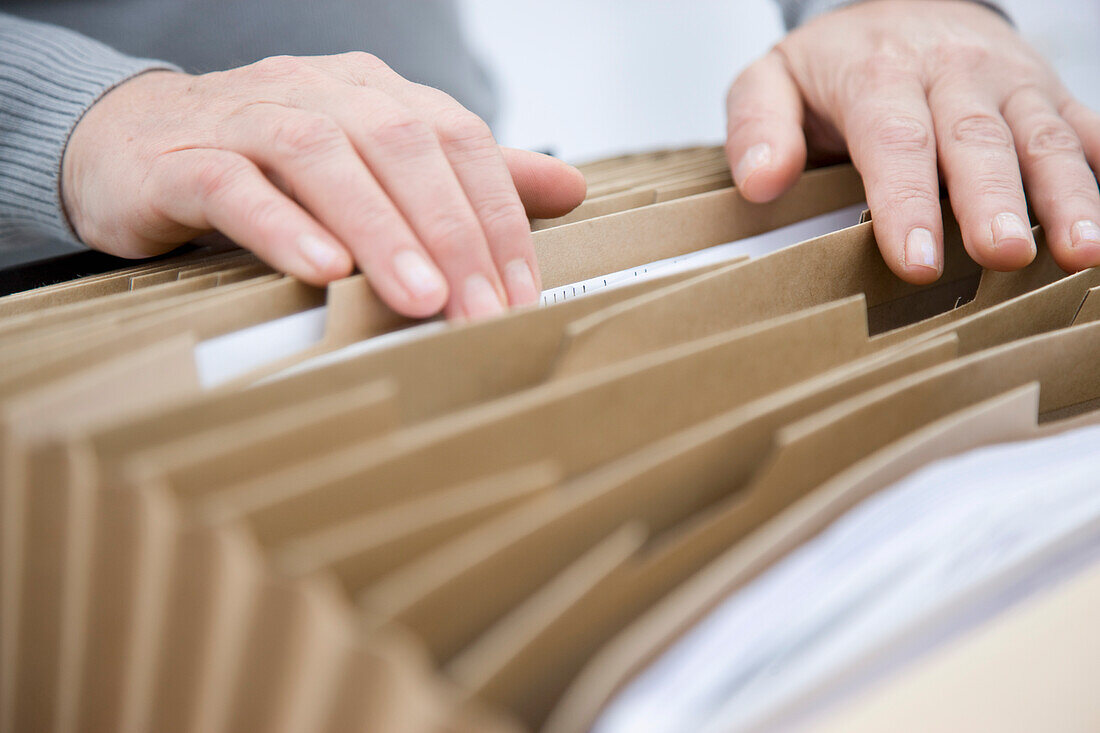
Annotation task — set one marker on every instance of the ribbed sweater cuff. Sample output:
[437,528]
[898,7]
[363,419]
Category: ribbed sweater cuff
[797,12]
[49,77]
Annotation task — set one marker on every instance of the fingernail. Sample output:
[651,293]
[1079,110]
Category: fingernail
[481,297]
[1009,228]
[520,282]
[754,159]
[1085,231]
[318,253]
[920,249]
[417,275]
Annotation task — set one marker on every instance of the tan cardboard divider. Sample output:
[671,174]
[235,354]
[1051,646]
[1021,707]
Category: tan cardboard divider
[655,191]
[834,266]
[670,191]
[121,632]
[21,386]
[380,542]
[230,310]
[591,208]
[239,274]
[810,451]
[1047,308]
[540,539]
[660,393]
[586,249]
[206,656]
[648,177]
[290,671]
[635,487]
[283,434]
[138,380]
[352,313]
[93,286]
[490,668]
[197,646]
[227,308]
[618,166]
[67,314]
[147,293]
[1005,417]
[230,266]
[65,507]
[717,170]
[486,359]
[1090,308]
[228,259]
[1032,668]
[635,172]
[139,282]
[708,464]
[993,288]
[388,689]
[118,644]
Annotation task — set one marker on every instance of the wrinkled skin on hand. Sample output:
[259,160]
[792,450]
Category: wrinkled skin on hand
[317,165]
[914,90]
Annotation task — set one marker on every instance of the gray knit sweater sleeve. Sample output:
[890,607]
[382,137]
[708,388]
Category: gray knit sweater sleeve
[797,12]
[49,77]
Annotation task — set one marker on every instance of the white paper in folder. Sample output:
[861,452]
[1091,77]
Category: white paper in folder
[935,554]
[232,355]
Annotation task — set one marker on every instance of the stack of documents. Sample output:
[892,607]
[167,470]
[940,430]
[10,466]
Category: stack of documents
[234,502]
[887,580]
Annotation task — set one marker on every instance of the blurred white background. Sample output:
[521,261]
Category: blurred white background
[587,78]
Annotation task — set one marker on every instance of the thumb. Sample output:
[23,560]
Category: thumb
[765,144]
[547,186]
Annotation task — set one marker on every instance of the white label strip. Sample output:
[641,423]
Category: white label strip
[756,246]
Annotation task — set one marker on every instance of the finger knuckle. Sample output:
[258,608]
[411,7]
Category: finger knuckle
[1068,199]
[278,68]
[882,68]
[1072,110]
[363,61]
[373,218]
[502,213]
[959,54]
[996,187]
[263,215]
[903,134]
[463,129]
[451,235]
[214,178]
[981,129]
[906,194]
[403,133]
[744,119]
[305,136]
[1052,138]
